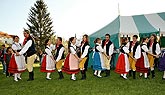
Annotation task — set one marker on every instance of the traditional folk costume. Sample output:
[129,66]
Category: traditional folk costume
[71,64]
[85,57]
[98,61]
[162,63]
[17,63]
[7,58]
[59,58]
[48,64]
[30,53]
[122,66]
[154,48]
[142,64]
[108,48]
[135,52]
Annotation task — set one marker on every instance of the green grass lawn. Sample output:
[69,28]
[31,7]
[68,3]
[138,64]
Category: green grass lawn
[113,85]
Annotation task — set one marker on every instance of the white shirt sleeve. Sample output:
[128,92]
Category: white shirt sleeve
[26,47]
[138,52]
[158,51]
[48,52]
[99,48]
[126,49]
[111,48]
[85,51]
[145,48]
[14,47]
[72,50]
[60,54]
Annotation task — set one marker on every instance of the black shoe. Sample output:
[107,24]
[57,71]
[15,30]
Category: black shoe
[74,79]
[94,75]
[163,78]
[147,78]
[48,78]
[29,80]
[19,78]
[140,76]
[124,77]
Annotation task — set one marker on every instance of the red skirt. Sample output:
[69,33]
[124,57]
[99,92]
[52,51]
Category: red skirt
[13,68]
[43,66]
[66,67]
[140,65]
[120,65]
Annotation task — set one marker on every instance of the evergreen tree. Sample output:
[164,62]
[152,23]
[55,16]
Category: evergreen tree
[39,23]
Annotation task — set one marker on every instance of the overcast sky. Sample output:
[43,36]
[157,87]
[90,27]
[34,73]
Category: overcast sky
[74,16]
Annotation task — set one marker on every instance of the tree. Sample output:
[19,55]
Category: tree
[40,23]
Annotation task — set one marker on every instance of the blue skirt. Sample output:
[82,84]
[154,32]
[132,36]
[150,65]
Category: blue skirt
[162,61]
[97,62]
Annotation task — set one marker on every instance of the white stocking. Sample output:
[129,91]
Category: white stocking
[99,72]
[73,76]
[48,75]
[145,75]
[95,73]
[15,76]
[164,75]
[19,75]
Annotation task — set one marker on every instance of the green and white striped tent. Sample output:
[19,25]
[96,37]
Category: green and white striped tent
[142,25]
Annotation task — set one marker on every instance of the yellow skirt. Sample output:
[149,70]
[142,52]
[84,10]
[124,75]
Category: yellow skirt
[59,64]
[151,60]
[82,62]
[132,62]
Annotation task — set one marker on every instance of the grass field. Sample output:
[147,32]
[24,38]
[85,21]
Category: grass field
[113,85]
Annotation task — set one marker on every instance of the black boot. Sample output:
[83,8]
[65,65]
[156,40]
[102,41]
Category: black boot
[148,74]
[163,78]
[130,73]
[107,73]
[83,75]
[60,75]
[134,74]
[153,73]
[31,76]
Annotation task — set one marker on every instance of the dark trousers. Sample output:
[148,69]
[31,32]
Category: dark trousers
[7,66]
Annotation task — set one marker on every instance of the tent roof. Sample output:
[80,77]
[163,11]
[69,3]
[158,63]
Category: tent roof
[111,28]
[138,24]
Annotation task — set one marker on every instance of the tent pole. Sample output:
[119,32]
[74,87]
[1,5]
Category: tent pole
[119,39]
[118,9]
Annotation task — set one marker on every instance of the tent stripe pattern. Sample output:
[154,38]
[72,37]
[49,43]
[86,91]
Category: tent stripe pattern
[128,26]
[143,25]
[162,15]
[156,21]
